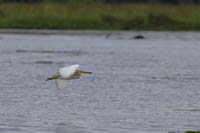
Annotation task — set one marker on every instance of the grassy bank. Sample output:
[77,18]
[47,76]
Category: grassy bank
[192,132]
[100,16]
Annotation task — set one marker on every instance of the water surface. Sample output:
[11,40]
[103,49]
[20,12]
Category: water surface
[146,85]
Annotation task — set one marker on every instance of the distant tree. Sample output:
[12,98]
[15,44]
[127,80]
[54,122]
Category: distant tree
[24,1]
[155,1]
[126,1]
[197,1]
[112,1]
[184,1]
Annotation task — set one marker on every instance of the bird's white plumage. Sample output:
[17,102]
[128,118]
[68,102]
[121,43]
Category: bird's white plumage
[65,74]
[68,71]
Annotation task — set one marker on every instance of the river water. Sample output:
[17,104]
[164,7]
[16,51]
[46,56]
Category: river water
[138,85]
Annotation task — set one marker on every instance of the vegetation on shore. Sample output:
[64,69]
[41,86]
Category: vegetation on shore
[192,132]
[99,16]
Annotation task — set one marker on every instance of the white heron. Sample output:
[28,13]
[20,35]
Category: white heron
[67,73]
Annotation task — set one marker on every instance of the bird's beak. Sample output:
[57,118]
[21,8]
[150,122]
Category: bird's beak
[48,79]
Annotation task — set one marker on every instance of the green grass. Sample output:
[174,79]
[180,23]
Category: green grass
[100,16]
[192,132]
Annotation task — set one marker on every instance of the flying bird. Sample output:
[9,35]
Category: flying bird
[67,73]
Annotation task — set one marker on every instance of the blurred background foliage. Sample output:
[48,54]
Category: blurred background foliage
[101,14]
[110,1]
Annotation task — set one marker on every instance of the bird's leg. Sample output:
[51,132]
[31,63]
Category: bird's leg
[84,72]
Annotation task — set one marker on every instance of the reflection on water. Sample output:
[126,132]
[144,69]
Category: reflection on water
[145,85]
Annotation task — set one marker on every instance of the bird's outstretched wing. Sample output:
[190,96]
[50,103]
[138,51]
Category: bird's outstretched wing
[77,74]
[61,83]
[68,71]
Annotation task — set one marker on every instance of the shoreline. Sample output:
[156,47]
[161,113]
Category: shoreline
[83,32]
[106,34]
